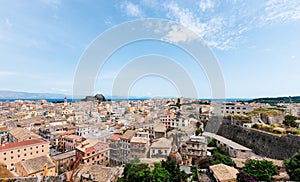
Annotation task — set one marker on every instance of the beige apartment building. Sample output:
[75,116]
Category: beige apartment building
[12,153]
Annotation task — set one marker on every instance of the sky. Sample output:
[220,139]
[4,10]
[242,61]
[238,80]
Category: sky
[255,42]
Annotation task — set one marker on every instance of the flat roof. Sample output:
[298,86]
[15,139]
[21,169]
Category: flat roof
[64,155]
[226,141]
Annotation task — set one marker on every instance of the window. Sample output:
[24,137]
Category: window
[24,149]
[25,155]
[30,153]
[4,158]
[43,150]
[30,148]
[18,150]
[42,146]
[37,152]
[11,157]
[4,153]
[12,152]
[18,156]
[37,147]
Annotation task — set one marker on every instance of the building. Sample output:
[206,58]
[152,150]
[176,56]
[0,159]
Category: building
[233,149]
[20,134]
[35,167]
[223,173]
[98,173]
[69,142]
[139,147]
[125,146]
[93,151]
[160,148]
[12,153]
[3,134]
[115,151]
[64,161]
[231,108]
[194,147]
[159,130]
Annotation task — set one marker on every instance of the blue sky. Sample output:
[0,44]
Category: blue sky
[255,42]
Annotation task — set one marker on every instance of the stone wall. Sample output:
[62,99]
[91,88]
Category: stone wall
[263,144]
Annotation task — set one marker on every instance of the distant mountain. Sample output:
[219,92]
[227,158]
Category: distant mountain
[5,94]
[276,100]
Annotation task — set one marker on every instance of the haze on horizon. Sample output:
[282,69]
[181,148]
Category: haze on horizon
[255,42]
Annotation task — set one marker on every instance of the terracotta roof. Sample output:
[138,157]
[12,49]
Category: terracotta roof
[22,143]
[114,136]
[22,134]
[64,155]
[139,140]
[128,135]
[162,143]
[223,172]
[36,164]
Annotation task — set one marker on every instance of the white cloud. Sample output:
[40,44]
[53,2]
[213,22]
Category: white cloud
[52,3]
[206,4]
[7,73]
[7,23]
[281,10]
[219,32]
[177,34]
[131,9]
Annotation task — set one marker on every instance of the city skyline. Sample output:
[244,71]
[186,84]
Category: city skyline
[254,42]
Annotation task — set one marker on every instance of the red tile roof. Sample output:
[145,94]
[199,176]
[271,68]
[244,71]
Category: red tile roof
[115,136]
[22,143]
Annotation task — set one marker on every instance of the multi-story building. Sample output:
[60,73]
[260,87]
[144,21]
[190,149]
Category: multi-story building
[231,108]
[92,151]
[167,119]
[139,147]
[20,134]
[69,142]
[115,151]
[12,153]
[160,148]
[196,146]
[64,161]
[3,134]
[125,146]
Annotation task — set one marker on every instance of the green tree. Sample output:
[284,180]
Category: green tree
[290,121]
[222,158]
[136,172]
[261,170]
[160,174]
[198,132]
[177,175]
[293,166]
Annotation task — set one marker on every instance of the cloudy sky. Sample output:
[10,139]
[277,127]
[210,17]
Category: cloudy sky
[255,42]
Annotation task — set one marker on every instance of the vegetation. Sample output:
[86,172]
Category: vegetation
[274,101]
[292,166]
[260,170]
[198,132]
[266,111]
[220,157]
[244,177]
[212,142]
[296,132]
[165,171]
[290,121]
[198,124]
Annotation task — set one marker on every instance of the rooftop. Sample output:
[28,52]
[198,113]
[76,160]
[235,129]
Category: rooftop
[162,143]
[226,141]
[223,172]
[128,135]
[22,144]
[64,155]
[36,164]
[139,140]
[22,134]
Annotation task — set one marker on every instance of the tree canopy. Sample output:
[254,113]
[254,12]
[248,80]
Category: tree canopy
[290,120]
[261,170]
[293,167]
